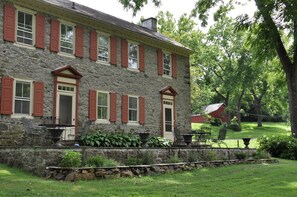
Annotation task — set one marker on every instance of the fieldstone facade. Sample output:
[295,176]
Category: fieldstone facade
[37,65]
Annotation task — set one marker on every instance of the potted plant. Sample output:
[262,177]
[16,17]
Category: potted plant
[188,138]
[246,142]
[144,137]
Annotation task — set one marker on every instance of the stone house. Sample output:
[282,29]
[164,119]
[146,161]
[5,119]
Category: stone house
[70,64]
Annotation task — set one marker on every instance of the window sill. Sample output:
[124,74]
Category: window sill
[133,70]
[19,116]
[167,76]
[24,46]
[66,55]
[99,121]
[133,124]
[103,63]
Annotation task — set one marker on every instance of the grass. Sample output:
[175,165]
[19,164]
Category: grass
[240,180]
[249,129]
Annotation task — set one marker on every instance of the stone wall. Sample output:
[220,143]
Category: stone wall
[37,64]
[74,174]
[35,160]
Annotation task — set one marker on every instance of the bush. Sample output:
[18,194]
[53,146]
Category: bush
[159,142]
[110,140]
[132,161]
[174,159]
[71,159]
[279,146]
[144,159]
[240,155]
[208,156]
[215,122]
[100,161]
[261,154]
[234,127]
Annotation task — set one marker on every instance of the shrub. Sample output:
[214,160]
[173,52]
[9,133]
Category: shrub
[100,161]
[110,140]
[215,122]
[174,159]
[148,158]
[71,159]
[208,156]
[234,127]
[261,154]
[159,142]
[240,155]
[279,146]
[131,161]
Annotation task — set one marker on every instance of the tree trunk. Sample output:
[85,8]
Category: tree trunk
[238,114]
[291,76]
[257,105]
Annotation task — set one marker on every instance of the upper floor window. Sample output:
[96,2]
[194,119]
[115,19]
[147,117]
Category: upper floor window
[67,38]
[25,28]
[133,109]
[102,106]
[167,64]
[22,99]
[132,56]
[103,48]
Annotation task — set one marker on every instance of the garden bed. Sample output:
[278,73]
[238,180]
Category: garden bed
[74,174]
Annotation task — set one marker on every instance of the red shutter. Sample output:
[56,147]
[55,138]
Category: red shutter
[160,62]
[40,31]
[173,59]
[79,42]
[38,99]
[6,95]
[113,50]
[125,109]
[113,107]
[55,35]
[92,105]
[124,53]
[93,46]
[141,58]
[141,110]
[9,23]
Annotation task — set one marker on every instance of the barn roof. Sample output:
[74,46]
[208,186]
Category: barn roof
[211,108]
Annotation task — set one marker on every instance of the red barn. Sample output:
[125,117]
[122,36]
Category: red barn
[213,110]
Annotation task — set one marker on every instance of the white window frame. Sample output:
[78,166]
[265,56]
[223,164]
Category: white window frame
[30,12]
[108,47]
[137,50]
[18,115]
[133,122]
[170,64]
[103,121]
[62,22]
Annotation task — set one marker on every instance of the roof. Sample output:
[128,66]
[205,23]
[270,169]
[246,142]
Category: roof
[211,108]
[106,18]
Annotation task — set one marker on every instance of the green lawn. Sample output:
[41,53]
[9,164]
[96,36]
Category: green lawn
[233,139]
[241,180]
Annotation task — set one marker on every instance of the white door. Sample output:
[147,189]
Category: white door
[168,119]
[66,110]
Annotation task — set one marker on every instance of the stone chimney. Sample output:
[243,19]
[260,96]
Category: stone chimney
[150,23]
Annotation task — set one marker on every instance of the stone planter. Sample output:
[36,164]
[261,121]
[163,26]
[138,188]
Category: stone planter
[246,142]
[144,137]
[188,139]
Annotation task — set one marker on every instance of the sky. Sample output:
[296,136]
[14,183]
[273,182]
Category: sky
[114,8]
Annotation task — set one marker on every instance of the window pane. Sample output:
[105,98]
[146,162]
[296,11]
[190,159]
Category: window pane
[25,107]
[133,102]
[17,106]
[66,42]
[102,112]
[133,59]
[19,89]
[103,50]
[24,28]
[102,99]
[132,115]
[26,90]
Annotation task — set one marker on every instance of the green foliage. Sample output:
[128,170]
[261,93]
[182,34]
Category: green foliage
[146,158]
[215,122]
[100,161]
[159,142]
[240,155]
[222,132]
[110,140]
[174,159]
[279,146]
[261,154]
[71,159]
[208,156]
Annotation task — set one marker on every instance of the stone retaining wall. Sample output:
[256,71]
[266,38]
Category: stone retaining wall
[74,174]
[36,159]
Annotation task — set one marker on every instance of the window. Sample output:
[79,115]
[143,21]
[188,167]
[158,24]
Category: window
[25,28]
[67,38]
[132,56]
[103,48]
[102,106]
[166,64]
[133,109]
[22,101]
